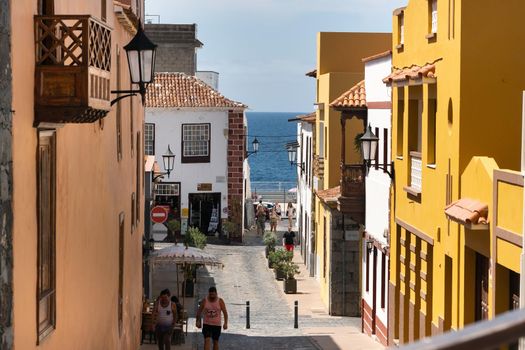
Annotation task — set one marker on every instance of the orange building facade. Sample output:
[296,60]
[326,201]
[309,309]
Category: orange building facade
[77,171]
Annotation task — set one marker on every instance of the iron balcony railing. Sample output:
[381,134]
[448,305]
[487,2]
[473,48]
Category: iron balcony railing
[503,330]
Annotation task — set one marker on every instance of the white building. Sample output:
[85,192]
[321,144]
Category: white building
[206,132]
[375,245]
[305,140]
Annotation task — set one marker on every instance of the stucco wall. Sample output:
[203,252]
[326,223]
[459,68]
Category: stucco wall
[168,130]
[93,188]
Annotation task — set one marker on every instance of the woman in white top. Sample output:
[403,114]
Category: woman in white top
[290,212]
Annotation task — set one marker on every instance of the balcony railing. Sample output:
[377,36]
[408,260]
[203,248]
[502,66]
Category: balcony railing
[415,171]
[353,180]
[503,330]
[318,166]
[72,75]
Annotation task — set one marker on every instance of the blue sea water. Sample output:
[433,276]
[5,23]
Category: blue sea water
[273,130]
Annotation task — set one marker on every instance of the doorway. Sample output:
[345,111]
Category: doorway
[205,212]
[482,287]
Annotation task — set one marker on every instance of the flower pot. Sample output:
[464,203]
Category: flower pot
[270,265]
[290,286]
[279,275]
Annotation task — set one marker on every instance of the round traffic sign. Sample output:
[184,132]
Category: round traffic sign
[159,214]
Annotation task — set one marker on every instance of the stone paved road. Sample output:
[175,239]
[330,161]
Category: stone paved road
[246,277]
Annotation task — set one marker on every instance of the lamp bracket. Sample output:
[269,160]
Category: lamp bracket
[390,173]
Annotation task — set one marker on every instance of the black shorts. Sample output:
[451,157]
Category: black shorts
[210,331]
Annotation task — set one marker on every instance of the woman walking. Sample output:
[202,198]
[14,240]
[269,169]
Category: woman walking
[290,212]
[273,220]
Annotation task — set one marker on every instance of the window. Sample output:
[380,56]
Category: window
[431,132]
[167,189]
[383,280]
[46,7]
[433,16]
[121,271]
[119,111]
[400,118]
[149,139]
[195,143]
[140,173]
[46,296]
[103,10]
[321,139]
[401,21]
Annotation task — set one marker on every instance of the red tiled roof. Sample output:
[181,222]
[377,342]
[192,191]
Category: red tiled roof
[413,72]
[181,90]
[312,73]
[468,211]
[353,98]
[376,56]
[330,195]
[309,118]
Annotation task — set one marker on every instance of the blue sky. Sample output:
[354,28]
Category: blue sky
[263,48]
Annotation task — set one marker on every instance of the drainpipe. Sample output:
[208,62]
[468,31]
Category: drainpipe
[522,257]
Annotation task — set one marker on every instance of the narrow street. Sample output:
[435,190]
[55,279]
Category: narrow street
[246,277]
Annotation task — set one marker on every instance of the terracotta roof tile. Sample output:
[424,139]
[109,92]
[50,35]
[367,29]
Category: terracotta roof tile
[309,118]
[413,72]
[330,195]
[353,98]
[377,56]
[180,90]
[468,211]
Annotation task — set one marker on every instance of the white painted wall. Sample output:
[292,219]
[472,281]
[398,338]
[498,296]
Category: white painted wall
[304,189]
[378,183]
[210,78]
[168,130]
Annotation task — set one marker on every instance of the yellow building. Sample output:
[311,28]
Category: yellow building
[338,177]
[456,118]
[72,207]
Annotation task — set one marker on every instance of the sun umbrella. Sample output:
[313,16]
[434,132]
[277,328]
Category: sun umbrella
[179,254]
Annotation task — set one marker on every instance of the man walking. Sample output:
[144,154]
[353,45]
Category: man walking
[165,317]
[289,239]
[212,306]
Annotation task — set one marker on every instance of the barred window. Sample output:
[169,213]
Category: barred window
[149,139]
[195,143]
[167,189]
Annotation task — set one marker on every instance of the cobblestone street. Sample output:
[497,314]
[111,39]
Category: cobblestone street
[246,277]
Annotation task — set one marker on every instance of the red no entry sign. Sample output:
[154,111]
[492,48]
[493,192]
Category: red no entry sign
[159,214]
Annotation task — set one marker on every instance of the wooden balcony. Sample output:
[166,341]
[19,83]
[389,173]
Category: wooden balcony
[318,166]
[352,200]
[72,73]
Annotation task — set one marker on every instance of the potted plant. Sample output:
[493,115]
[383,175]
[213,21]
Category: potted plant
[270,240]
[173,230]
[290,270]
[276,260]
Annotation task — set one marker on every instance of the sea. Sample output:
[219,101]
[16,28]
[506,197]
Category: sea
[270,168]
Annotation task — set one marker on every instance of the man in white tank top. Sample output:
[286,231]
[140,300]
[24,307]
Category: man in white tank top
[211,307]
[165,317]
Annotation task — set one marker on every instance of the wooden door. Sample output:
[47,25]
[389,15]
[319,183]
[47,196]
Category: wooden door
[482,287]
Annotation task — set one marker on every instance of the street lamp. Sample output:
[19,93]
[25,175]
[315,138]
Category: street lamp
[255,145]
[140,52]
[169,163]
[369,143]
[291,147]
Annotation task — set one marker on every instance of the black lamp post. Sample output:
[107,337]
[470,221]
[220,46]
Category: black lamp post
[255,145]
[169,163]
[140,52]
[369,143]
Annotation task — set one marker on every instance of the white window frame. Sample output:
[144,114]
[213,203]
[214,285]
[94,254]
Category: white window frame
[149,139]
[433,16]
[201,141]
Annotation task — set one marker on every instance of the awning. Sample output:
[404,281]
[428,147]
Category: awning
[469,212]
[412,75]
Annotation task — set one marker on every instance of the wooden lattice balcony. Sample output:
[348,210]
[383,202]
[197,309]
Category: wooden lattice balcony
[352,200]
[73,63]
[318,166]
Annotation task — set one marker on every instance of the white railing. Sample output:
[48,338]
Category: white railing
[415,171]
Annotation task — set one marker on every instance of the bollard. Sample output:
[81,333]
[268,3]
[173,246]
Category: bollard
[247,315]
[296,315]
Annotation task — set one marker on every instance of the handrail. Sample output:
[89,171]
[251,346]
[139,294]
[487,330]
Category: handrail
[505,329]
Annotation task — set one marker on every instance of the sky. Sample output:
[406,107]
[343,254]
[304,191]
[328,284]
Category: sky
[263,48]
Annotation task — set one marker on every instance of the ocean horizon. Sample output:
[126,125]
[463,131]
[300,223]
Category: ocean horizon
[270,166]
